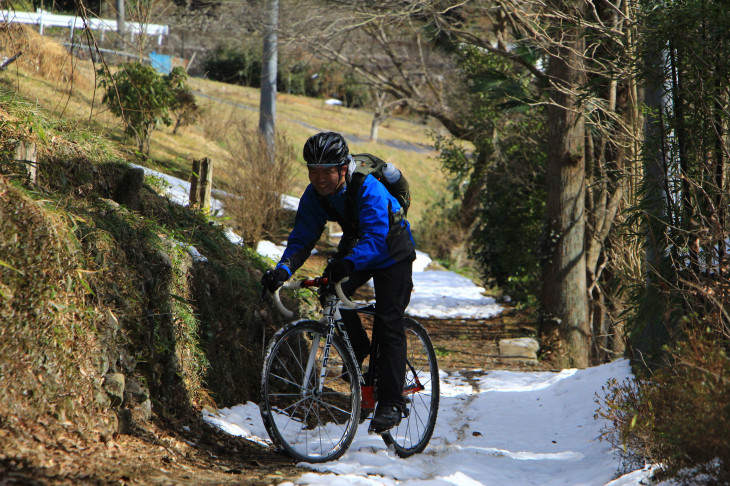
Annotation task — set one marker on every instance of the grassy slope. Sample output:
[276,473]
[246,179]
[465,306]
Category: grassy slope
[89,288]
[65,87]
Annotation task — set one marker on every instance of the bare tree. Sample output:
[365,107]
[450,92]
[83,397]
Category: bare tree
[267,109]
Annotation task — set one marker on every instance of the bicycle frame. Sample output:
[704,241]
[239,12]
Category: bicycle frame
[333,322]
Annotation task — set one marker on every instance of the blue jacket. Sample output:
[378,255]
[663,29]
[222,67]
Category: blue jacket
[384,235]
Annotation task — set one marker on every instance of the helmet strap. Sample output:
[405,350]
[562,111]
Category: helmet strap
[343,180]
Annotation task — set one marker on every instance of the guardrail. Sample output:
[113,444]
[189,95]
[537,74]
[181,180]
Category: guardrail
[47,19]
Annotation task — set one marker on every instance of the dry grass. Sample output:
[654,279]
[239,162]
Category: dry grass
[46,340]
[48,60]
[255,182]
[48,75]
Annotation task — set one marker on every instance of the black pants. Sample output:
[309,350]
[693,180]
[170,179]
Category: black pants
[393,286]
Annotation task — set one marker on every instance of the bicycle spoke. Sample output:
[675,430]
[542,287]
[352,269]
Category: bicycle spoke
[308,427]
[288,382]
[329,407]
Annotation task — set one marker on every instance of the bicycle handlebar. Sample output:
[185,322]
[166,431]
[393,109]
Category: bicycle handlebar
[305,284]
[343,298]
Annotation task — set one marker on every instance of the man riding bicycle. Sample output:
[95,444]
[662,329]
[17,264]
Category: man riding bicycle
[377,244]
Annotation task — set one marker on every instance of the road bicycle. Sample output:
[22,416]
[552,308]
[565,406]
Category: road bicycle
[309,404]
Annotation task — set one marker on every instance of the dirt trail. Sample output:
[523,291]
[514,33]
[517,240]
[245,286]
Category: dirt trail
[190,452]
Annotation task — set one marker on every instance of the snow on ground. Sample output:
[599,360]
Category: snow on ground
[502,428]
[178,190]
[448,295]
[514,428]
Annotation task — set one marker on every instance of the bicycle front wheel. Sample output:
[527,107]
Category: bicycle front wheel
[421,391]
[307,424]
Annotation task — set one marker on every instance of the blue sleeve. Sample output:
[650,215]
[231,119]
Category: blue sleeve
[374,205]
[308,226]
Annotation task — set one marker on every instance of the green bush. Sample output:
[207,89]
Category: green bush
[142,98]
[505,242]
[235,66]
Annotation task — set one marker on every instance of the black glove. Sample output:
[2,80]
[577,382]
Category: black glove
[273,279]
[337,269]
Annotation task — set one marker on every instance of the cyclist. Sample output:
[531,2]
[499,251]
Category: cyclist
[379,244]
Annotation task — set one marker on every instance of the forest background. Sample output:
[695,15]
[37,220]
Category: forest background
[585,145]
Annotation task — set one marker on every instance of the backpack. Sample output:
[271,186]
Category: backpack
[387,174]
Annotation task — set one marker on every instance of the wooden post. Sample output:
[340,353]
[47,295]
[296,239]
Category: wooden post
[206,182]
[201,183]
[27,154]
[129,188]
[194,177]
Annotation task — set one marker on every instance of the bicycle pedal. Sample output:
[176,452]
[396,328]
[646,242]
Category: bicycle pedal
[365,414]
[372,432]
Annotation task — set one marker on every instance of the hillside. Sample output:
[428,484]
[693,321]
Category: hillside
[65,87]
[108,327]
[113,338]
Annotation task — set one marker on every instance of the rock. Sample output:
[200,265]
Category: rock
[524,348]
[128,189]
[110,205]
[114,386]
[132,420]
[136,392]
[102,363]
[163,259]
[102,399]
[126,422]
[143,410]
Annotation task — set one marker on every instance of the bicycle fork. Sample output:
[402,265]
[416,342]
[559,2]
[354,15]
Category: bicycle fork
[333,320]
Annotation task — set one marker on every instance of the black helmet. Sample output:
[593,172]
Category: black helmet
[326,149]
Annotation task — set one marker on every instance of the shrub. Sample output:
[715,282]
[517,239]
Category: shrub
[235,66]
[512,207]
[440,236]
[256,182]
[142,98]
[679,416]
[184,107]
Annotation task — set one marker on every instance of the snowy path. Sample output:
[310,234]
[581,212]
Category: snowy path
[512,428]
[499,428]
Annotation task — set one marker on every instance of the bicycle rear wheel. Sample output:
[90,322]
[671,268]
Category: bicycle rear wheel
[307,425]
[421,391]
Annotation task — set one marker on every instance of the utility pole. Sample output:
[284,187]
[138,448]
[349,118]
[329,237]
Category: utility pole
[267,109]
[121,24]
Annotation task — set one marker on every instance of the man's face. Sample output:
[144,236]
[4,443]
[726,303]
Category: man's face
[327,180]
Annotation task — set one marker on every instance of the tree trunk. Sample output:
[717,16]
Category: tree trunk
[646,343]
[377,120]
[121,24]
[267,110]
[564,296]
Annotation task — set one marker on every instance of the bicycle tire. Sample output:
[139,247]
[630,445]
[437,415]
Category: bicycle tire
[306,426]
[414,432]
